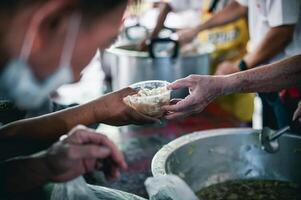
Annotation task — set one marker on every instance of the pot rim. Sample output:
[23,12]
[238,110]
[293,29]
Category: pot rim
[158,165]
[118,50]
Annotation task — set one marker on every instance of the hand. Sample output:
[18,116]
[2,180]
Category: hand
[297,114]
[227,68]
[83,151]
[187,35]
[118,113]
[142,46]
[203,90]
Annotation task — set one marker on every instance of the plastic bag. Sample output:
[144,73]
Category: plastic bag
[168,187]
[78,189]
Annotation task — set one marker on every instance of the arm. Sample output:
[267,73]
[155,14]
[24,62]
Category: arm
[109,109]
[165,8]
[229,14]
[273,43]
[204,89]
[81,152]
[269,78]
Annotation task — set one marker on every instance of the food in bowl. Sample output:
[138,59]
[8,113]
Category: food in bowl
[252,189]
[150,97]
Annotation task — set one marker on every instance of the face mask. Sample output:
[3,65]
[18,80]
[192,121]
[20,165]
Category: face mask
[20,85]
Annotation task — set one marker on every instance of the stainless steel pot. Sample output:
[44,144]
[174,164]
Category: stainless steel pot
[130,66]
[210,157]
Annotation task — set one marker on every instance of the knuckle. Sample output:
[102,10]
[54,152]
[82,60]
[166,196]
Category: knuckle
[192,76]
[103,136]
[80,127]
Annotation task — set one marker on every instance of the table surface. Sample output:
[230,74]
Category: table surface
[140,144]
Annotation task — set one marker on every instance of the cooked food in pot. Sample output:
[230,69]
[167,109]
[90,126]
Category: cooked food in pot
[252,190]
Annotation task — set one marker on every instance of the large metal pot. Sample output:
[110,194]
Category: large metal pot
[129,66]
[210,157]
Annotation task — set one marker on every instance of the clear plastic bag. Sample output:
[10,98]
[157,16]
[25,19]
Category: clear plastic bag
[167,187]
[78,189]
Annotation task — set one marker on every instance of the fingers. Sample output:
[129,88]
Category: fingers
[140,118]
[297,114]
[110,169]
[87,136]
[181,83]
[177,115]
[183,105]
[116,154]
[175,101]
[89,152]
[126,92]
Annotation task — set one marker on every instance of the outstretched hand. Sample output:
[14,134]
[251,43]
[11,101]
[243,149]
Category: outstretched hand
[118,113]
[203,90]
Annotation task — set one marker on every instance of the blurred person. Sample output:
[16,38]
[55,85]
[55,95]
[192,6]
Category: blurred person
[46,44]
[275,34]
[229,40]
[44,31]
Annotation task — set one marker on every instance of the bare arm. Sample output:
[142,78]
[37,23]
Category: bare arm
[164,10]
[204,89]
[109,109]
[230,13]
[269,78]
[274,42]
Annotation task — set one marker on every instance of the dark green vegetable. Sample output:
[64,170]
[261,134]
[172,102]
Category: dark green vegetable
[252,190]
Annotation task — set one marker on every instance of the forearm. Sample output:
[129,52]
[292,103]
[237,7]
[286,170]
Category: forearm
[52,126]
[269,78]
[23,174]
[229,14]
[164,10]
[273,43]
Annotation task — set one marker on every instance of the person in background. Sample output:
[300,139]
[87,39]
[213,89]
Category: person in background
[45,44]
[204,89]
[167,7]
[229,42]
[275,34]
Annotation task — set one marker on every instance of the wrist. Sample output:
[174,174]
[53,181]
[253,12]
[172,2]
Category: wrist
[100,110]
[243,65]
[228,84]
[24,174]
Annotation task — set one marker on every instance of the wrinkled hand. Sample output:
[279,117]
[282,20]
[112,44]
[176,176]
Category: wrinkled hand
[203,90]
[227,68]
[187,35]
[297,114]
[83,151]
[118,113]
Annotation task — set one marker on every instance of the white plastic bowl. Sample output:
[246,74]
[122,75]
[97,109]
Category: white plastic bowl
[151,104]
